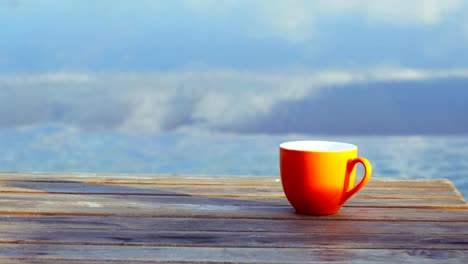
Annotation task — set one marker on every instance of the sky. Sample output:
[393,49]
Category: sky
[355,67]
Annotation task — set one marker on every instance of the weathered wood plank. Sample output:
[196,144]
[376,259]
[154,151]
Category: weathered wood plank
[140,178]
[433,202]
[107,218]
[73,205]
[219,191]
[309,226]
[232,239]
[132,254]
[191,180]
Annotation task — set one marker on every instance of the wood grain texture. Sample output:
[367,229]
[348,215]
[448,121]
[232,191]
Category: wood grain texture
[211,190]
[233,225]
[107,218]
[314,239]
[191,180]
[20,204]
[63,253]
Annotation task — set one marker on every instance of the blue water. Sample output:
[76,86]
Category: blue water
[66,150]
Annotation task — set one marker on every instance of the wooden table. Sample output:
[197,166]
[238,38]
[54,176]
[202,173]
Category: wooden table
[88,218]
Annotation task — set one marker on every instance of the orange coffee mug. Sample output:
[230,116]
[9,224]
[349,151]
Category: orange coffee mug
[318,176]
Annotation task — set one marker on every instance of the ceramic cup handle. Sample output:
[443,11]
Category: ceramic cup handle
[367,174]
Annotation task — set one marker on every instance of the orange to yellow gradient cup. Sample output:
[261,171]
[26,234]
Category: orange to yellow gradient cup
[318,176]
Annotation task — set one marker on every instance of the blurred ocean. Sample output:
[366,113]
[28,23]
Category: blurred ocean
[62,150]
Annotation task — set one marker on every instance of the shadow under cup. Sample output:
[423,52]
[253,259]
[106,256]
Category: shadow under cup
[318,176]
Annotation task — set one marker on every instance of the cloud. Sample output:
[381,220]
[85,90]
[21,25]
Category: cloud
[237,34]
[401,12]
[296,20]
[63,98]
[212,99]
[431,107]
[292,20]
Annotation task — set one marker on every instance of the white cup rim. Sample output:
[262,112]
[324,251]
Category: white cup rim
[317,146]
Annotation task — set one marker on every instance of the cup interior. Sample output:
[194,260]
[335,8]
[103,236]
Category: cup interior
[318,146]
